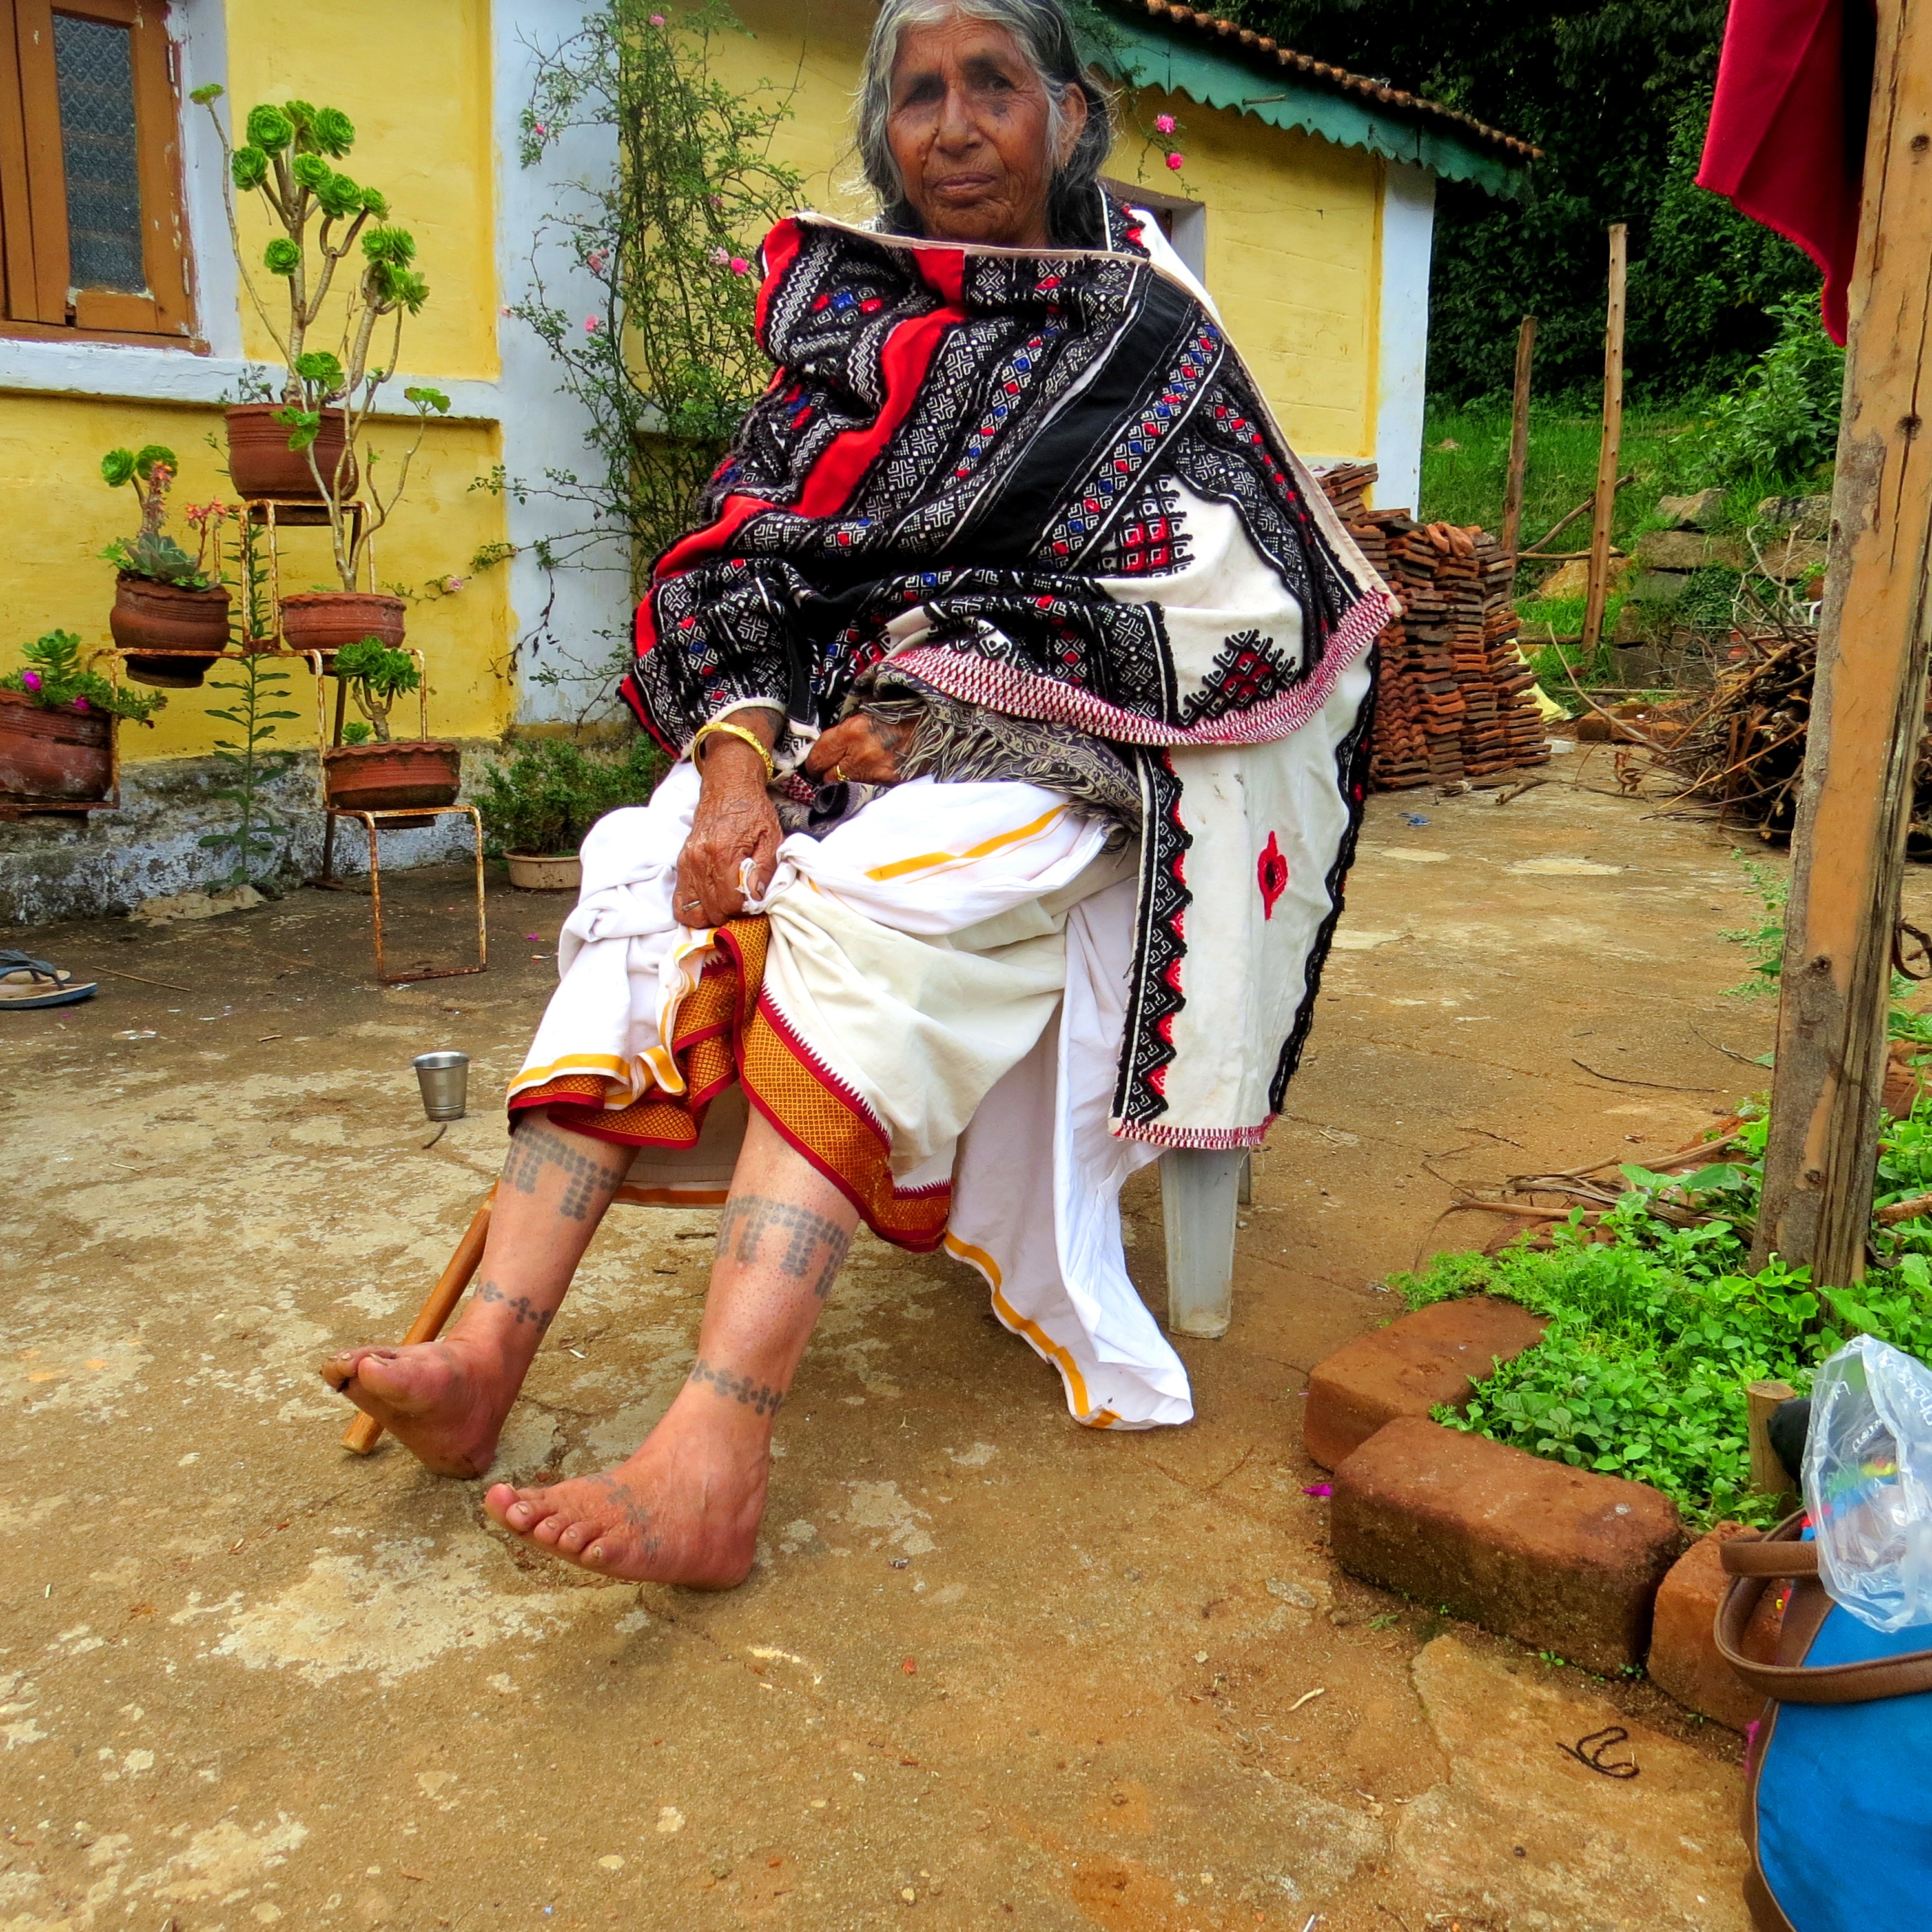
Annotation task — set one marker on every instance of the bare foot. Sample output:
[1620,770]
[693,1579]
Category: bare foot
[685,1509]
[444,1401]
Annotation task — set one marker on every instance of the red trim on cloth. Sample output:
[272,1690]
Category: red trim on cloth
[1206,1139]
[977,680]
[728,1030]
[1786,143]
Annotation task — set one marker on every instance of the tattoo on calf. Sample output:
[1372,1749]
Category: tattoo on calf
[761,1396]
[522,1308]
[589,1178]
[814,1247]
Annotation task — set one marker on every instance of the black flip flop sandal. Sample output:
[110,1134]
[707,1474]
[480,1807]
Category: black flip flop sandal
[26,981]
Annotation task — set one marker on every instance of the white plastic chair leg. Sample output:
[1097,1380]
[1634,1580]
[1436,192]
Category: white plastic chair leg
[1198,1191]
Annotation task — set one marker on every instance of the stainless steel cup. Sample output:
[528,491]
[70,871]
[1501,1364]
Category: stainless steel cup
[445,1080]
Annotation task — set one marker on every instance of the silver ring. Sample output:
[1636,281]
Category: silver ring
[692,905]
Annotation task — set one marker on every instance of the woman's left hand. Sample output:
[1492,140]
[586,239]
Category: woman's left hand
[858,747]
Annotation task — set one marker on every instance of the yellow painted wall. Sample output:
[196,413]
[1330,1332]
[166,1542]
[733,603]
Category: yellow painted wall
[1294,235]
[419,95]
[61,514]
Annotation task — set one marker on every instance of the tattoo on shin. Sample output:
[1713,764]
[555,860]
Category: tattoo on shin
[813,1247]
[522,1309]
[761,1396]
[591,1175]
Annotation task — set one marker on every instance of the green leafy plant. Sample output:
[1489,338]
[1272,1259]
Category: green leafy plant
[55,678]
[326,219]
[257,837]
[663,359]
[551,792]
[1780,424]
[376,676]
[1764,941]
[151,553]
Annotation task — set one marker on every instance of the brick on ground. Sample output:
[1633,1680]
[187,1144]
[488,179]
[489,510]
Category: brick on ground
[1561,1559]
[1683,1658]
[1436,1355]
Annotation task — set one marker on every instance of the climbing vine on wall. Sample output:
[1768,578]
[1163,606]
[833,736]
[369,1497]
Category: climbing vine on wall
[663,359]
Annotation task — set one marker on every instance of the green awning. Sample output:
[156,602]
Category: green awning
[1149,58]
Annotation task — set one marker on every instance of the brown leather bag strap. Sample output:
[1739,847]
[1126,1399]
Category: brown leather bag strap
[1802,1684]
[1774,1555]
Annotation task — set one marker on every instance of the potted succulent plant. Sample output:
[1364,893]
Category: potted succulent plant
[170,616]
[369,771]
[57,722]
[310,437]
[537,808]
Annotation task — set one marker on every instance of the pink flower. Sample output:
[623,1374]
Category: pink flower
[719,256]
[451,585]
[1177,161]
[537,128]
[657,20]
[595,259]
[590,325]
[1164,122]
[739,266]
[31,679]
[505,310]
[81,704]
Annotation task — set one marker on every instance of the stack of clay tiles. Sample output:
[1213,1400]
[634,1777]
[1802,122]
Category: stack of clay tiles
[1453,701]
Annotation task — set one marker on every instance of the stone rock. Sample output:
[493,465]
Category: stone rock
[1438,1354]
[1689,550]
[1659,586]
[1809,517]
[1691,513]
[1561,1559]
[1791,560]
[1904,1082]
[196,905]
[1683,1658]
[1573,579]
[1520,1835]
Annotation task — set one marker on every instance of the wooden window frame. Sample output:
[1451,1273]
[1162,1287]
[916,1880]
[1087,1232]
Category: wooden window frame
[36,301]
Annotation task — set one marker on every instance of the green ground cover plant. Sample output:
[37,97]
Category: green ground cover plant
[1656,1318]
[551,792]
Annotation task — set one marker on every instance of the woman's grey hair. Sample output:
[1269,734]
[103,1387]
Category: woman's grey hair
[1046,35]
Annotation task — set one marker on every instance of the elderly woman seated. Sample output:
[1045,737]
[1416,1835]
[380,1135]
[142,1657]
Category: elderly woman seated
[1018,679]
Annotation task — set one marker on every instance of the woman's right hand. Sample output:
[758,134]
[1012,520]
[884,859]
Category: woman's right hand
[735,820]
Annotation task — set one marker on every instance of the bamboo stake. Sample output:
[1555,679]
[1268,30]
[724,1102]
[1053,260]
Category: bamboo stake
[365,1432]
[1767,1475]
[1868,702]
[1612,444]
[1518,452]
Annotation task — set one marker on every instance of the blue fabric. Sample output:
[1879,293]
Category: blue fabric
[1844,1800]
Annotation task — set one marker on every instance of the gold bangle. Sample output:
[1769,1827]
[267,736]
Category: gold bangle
[736,731]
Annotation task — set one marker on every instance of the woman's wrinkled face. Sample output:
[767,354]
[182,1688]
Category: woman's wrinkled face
[969,130]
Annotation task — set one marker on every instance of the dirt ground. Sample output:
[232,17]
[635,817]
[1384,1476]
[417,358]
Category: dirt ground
[992,1669]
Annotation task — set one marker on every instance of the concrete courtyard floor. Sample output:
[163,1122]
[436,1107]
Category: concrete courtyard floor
[991,1669]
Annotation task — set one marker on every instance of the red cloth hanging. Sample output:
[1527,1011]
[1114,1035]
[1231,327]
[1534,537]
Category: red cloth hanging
[1786,139]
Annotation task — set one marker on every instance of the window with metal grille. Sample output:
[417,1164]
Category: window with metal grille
[91,239]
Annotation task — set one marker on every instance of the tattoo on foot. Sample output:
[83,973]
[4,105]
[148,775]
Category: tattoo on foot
[523,1308]
[762,1398]
[814,1247]
[590,1178]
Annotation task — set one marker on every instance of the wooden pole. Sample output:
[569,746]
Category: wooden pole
[1612,444]
[1868,704]
[1767,1475]
[365,1432]
[1519,454]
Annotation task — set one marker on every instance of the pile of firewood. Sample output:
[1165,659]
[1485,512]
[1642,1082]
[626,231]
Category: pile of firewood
[1453,694]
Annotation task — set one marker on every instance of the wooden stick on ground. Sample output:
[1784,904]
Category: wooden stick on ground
[1605,502]
[1868,702]
[365,1432]
[1518,451]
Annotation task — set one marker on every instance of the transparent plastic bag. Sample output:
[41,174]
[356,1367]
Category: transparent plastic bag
[1868,1478]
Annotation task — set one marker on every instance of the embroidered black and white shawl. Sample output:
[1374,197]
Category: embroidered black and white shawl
[1044,483]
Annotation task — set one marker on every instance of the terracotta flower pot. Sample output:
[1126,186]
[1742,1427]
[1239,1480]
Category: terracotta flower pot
[261,463]
[170,634]
[53,752]
[325,620]
[545,872]
[393,777]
